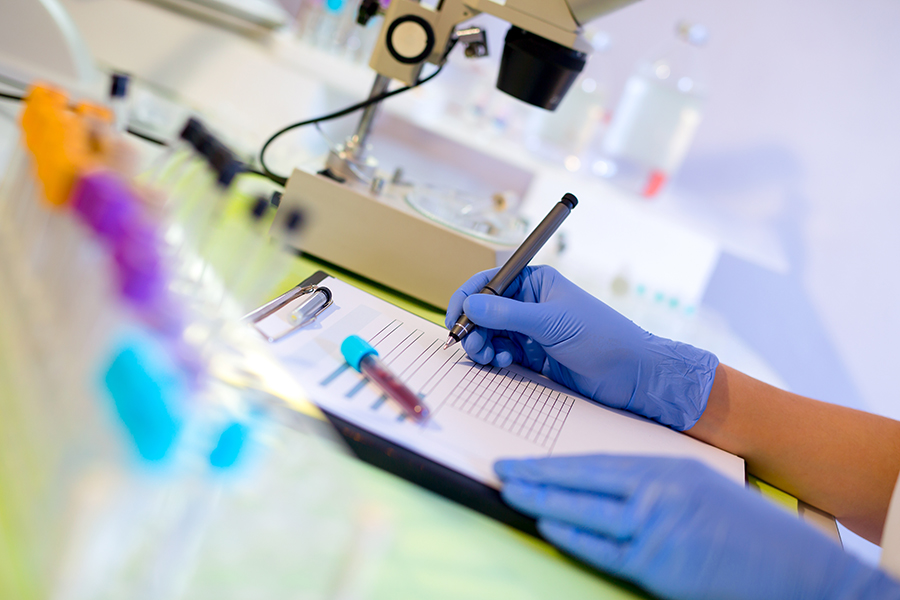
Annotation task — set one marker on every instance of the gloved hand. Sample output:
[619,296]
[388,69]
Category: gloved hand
[550,325]
[682,531]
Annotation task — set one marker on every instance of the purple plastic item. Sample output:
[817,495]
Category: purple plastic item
[107,205]
[140,270]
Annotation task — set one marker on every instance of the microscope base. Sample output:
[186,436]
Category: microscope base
[383,238]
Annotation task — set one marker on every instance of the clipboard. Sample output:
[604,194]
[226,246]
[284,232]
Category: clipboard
[396,459]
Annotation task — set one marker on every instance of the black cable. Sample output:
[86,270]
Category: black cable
[251,171]
[147,137]
[343,112]
[15,97]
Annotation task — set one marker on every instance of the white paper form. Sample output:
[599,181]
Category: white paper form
[478,413]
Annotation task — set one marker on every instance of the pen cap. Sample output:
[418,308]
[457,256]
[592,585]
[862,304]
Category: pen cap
[354,349]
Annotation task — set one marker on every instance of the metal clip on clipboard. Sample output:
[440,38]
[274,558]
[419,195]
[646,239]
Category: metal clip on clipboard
[297,307]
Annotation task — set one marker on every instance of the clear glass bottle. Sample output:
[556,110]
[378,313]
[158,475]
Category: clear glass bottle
[659,112]
[568,134]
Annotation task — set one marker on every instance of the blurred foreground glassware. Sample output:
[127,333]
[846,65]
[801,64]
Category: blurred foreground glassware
[655,121]
[132,395]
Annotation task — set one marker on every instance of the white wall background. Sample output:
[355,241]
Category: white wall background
[796,163]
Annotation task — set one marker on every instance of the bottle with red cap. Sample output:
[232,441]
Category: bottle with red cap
[657,116]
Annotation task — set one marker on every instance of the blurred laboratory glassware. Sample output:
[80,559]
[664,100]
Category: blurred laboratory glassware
[656,119]
[331,25]
[566,134]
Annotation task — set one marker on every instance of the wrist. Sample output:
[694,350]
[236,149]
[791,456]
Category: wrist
[679,381]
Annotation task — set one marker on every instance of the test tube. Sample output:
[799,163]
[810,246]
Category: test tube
[17,168]
[226,167]
[269,265]
[364,358]
[168,169]
[200,207]
[244,240]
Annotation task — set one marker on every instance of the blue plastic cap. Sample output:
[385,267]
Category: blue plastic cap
[229,446]
[354,349]
[147,388]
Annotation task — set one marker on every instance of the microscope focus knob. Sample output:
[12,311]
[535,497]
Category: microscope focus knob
[410,39]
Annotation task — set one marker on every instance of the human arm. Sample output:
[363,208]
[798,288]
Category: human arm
[838,459]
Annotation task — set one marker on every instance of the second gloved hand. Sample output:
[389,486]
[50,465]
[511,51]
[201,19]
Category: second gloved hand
[683,531]
[552,326]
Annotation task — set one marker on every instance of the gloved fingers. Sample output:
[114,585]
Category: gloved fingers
[474,285]
[479,346]
[604,515]
[602,473]
[505,314]
[505,351]
[475,341]
[524,288]
[605,554]
[533,354]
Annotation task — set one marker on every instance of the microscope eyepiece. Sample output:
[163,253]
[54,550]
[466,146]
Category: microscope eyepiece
[537,70]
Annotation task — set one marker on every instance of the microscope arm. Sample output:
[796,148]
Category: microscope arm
[414,34]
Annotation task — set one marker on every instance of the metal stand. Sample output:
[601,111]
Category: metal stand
[350,161]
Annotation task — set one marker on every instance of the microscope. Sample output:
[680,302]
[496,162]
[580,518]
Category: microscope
[358,222]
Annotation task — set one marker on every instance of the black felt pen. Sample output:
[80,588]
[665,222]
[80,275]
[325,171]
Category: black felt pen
[518,261]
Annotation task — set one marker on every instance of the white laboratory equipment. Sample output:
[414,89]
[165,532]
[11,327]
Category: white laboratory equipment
[370,228]
[657,116]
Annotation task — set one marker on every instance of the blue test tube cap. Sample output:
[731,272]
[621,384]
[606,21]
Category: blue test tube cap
[147,389]
[229,445]
[354,349]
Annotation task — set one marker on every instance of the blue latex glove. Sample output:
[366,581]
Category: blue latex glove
[682,531]
[552,326]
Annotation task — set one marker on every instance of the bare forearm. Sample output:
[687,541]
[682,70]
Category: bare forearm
[841,460]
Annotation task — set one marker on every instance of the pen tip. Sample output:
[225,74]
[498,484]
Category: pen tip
[450,342]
